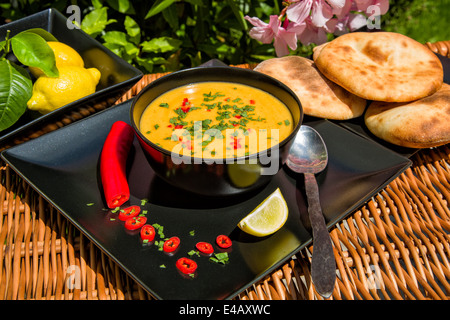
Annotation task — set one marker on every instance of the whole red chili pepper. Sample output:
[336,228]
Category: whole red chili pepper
[129,212]
[204,247]
[170,245]
[148,232]
[223,241]
[186,265]
[135,223]
[112,164]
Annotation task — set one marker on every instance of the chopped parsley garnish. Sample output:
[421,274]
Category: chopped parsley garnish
[221,258]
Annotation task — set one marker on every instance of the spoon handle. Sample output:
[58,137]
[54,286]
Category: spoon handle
[323,264]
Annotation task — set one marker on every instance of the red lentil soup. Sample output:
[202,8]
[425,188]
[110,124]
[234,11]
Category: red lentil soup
[216,120]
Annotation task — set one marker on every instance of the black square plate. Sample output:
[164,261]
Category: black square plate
[117,75]
[63,167]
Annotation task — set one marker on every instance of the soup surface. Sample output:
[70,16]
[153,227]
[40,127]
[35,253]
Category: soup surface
[216,120]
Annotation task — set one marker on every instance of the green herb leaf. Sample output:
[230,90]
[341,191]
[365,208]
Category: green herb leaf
[193,252]
[221,258]
[15,90]
[33,51]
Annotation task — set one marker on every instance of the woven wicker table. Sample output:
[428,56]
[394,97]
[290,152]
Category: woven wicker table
[396,246]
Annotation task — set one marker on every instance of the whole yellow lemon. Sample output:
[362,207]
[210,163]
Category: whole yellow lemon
[64,56]
[72,84]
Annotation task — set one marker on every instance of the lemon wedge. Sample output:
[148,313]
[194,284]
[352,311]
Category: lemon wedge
[268,217]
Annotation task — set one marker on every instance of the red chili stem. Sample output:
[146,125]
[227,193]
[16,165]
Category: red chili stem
[113,164]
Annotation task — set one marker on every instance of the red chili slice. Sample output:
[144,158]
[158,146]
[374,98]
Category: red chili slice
[186,265]
[112,164]
[135,223]
[129,212]
[223,241]
[148,232]
[170,245]
[204,247]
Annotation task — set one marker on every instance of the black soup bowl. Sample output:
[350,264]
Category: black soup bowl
[218,177]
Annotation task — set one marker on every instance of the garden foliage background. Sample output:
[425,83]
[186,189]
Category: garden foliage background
[167,35]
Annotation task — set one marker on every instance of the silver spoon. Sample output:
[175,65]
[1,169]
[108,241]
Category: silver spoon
[308,155]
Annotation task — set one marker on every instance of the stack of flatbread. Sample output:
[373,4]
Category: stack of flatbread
[400,78]
[319,96]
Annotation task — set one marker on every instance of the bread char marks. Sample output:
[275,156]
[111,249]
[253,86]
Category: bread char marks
[374,53]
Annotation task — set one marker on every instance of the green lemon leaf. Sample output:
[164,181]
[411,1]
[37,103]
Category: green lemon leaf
[33,51]
[43,33]
[15,90]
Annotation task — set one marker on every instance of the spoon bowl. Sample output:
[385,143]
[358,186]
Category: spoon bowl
[308,155]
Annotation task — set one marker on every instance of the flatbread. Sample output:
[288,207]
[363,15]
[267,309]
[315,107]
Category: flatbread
[420,124]
[317,50]
[319,96]
[382,66]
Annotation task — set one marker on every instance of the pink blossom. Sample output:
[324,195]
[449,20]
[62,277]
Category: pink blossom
[287,37]
[283,37]
[349,22]
[312,34]
[356,21]
[365,5]
[321,12]
[262,31]
[337,4]
[344,10]
[299,11]
[309,21]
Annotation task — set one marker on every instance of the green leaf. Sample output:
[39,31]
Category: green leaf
[162,44]
[171,16]
[96,21]
[157,7]
[33,51]
[115,37]
[43,33]
[117,49]
[131,49]
[15,90]
[123,6]
[133,30]
[147,64]
[238,14]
